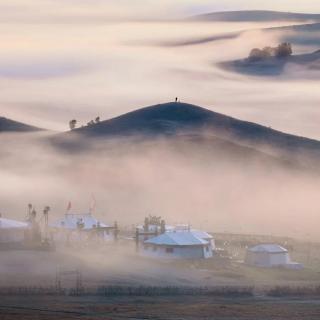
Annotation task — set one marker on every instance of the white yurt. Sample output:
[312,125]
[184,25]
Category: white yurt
[12,231]
[75,227]
[177,245]
[270,255]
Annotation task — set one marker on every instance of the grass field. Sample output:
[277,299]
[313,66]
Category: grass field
[195,308]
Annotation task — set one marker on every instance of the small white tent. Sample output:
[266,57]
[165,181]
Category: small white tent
[12,231]
[270,255]
[177,245]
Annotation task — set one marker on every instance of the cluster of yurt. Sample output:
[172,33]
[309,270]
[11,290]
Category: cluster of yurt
[269,256]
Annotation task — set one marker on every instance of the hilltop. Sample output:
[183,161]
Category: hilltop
[182,125]
[178,118]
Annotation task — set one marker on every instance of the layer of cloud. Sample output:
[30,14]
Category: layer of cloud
[40,69]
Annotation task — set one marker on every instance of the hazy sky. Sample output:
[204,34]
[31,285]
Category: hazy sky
[144,8]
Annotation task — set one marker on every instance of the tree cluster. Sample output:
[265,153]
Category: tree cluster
[73,123]
[283,50]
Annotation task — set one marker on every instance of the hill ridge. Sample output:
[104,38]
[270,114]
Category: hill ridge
[9,125]
[172,118]
[254,15]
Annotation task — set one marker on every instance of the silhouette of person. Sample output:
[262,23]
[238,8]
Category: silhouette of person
[176,99]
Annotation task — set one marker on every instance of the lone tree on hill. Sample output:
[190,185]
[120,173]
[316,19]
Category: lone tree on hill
[72,124]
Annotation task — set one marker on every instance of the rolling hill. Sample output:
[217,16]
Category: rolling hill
[300,34]
[8,125]
[255,16]
[182,121]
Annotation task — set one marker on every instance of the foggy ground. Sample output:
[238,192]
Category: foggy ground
[212,189]
[119,264]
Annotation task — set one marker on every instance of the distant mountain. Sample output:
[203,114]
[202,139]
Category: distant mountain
[255,16]
[274,66]
[300,34]
[181,120]
[8,125]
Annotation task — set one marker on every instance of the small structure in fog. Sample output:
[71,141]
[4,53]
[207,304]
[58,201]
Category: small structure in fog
[12,231]
[177,245]
[77,227]
[270,255]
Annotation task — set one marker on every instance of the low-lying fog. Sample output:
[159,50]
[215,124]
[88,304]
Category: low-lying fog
[213,190]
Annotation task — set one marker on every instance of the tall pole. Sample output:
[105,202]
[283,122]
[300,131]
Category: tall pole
[46,222]
[137,239]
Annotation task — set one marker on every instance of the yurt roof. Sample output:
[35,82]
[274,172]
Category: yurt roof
[12,224]
[269,248]
[177,239]
[70,221]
